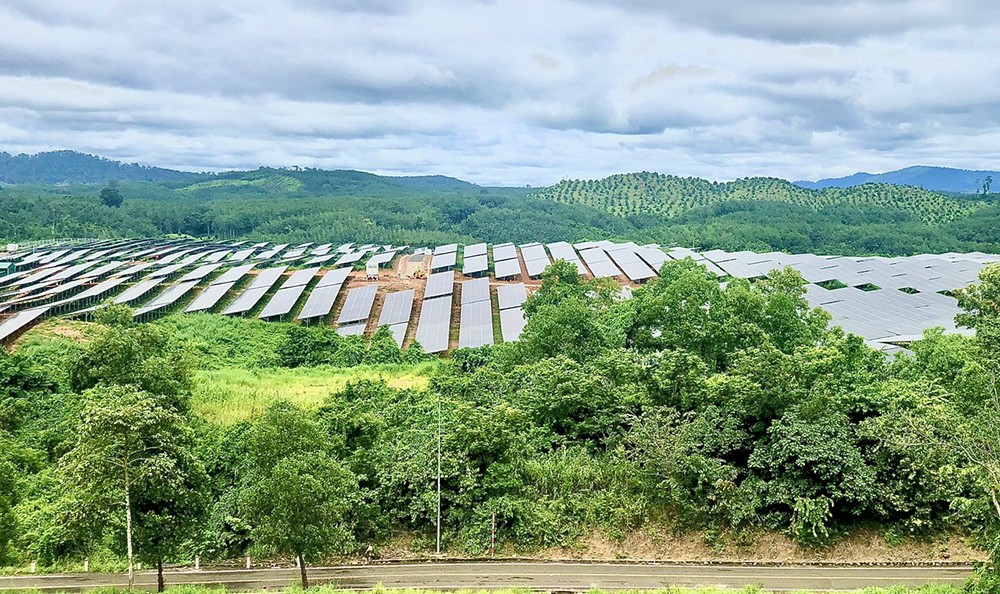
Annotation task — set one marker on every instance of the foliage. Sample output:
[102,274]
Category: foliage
[300,205]
[726,408]
[135,452]
[111,195]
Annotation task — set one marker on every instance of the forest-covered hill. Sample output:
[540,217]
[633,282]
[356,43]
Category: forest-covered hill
[761,214]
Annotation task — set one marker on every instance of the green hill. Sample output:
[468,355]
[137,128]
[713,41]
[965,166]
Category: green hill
[671,196]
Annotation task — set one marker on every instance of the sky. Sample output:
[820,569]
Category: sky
[508,92]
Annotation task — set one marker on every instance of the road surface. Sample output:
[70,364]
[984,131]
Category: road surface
[538,576]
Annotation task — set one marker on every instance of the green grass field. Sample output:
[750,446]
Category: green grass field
[227,396]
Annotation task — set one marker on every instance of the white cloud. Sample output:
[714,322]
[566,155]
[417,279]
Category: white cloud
[506,91]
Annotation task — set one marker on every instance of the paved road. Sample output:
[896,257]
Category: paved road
[540,576]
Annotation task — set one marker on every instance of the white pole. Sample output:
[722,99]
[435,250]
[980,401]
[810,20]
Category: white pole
[439,478]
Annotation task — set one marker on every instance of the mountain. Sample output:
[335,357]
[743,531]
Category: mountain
[71,167]
[648,194]
[939,179]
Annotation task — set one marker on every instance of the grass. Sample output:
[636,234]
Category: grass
[228,396]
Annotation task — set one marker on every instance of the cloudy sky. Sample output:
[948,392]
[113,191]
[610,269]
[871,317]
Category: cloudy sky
[508,91]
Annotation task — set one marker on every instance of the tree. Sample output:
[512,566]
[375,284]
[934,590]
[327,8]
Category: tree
[142,355]
[303,506]
[981,305]
[133,452]
[111,195]
[296,496]
[8,495]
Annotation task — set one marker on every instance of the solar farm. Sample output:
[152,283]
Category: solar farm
[446,296]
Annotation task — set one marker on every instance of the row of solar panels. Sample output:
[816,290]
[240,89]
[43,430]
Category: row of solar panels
[475,312]
[885,299]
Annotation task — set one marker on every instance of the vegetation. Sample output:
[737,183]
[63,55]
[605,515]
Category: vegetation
[292,205]
[725,409]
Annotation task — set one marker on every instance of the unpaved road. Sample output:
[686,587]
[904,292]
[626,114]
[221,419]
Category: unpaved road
[538,576]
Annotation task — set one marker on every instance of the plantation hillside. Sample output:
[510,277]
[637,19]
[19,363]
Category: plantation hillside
[671,196]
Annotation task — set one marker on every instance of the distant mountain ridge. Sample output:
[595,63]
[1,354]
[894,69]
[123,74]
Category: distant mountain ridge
[939,179]
[72,167]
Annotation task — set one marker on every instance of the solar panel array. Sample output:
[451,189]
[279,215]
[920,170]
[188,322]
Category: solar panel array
[396,310]
[887,301]
[288,295]
[434,326]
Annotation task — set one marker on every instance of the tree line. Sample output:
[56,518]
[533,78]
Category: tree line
[297,206]
[724,409]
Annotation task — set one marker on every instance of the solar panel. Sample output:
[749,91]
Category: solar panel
[382,259]
[47,293]
[217,256]
[320,301]
[70,257]
[349,258]
[233,274]
[292,254]
[398,333]
[507,268]
[167,270]
[71,271]
[358,305]
[260,285]
[288,295]
[634,268]
[19,320]
[504,251]
[245,301]
[320,259]
[476,249]
[352,329]
[199,273]
[137,290]
[95,291]
[476,326]
[512,323]
[439,283]
[168,297]
[191,259]
[599,263]
[476,290]
[533,251]
[474,264]
[242,255]
[282,302]
[446,260]
[510,296]
[13,277]
[267,277]
[102,270]
[300,277]
[536,267]
[337,276]
[397,308]
[37,277]
[210,297]
[131,270]
[450,248]
[434,326]
[52,257]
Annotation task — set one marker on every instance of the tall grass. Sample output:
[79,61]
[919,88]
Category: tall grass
[227,396]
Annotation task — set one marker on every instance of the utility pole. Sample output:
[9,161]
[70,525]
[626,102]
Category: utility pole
[439,478]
